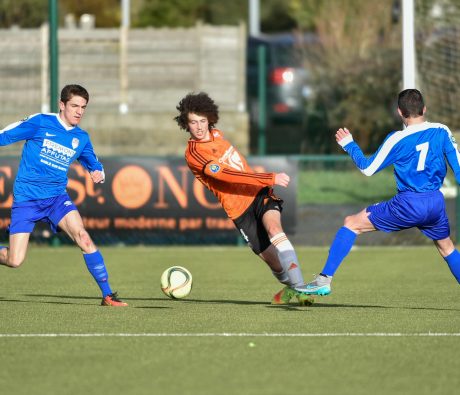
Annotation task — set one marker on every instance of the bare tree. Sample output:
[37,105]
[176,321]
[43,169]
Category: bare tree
[356,66]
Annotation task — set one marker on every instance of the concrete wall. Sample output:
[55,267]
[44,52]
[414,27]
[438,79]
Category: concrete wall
[143,71]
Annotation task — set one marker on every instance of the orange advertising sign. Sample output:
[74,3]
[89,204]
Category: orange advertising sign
[150,199]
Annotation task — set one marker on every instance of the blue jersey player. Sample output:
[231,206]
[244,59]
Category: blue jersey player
[418,154]
[52,143]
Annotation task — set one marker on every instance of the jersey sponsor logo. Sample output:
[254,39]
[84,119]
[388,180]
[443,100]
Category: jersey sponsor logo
[232,159]
[57,153]
[214,168]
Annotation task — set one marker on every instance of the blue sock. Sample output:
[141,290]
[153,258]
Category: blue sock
[96,266]
[340,248]
[453,260]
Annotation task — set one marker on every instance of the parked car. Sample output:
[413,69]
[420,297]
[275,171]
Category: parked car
[287,90]
[287,87]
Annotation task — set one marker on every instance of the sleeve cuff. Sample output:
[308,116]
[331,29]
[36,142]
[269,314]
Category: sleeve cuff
[345,141]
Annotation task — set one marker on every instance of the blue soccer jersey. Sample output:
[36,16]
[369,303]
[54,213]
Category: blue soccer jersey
[418,154]
[50,148]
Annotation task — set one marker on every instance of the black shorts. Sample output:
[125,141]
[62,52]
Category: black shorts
[250,222]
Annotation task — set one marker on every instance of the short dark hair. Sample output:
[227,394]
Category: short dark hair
[73,90]
[410,102]
[200,104]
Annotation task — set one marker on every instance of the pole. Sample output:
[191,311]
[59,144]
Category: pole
[125,13]
[124,81]
[409,69]
[262,93]
[254,17]
[53,54]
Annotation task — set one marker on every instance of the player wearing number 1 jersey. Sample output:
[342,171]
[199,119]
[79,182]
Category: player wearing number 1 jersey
[418,154]
[247,197]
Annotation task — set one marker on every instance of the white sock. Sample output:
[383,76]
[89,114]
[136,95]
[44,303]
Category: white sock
[288,259]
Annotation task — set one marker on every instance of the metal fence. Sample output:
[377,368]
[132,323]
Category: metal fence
[330,187]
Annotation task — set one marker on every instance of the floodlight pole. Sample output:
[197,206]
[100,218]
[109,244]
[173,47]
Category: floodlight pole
[409,69]
[53,54]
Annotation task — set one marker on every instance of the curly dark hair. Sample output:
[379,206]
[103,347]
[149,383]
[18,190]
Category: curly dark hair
[200,104]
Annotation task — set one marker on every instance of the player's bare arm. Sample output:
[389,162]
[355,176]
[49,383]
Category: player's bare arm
[282,179]
[341,134]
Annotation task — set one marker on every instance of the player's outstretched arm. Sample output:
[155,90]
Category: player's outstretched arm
[282,179]
[368,166]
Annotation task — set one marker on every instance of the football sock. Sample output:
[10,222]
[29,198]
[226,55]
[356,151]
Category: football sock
[453,261]
[288,259]
[340,247]
[282,277]
[96,266]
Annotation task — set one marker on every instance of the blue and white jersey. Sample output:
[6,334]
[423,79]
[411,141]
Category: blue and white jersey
[49,149]
[418,154]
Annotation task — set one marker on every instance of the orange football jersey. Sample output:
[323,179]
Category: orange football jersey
[225,172]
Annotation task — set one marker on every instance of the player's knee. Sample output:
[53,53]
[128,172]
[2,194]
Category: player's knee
[348,222]
[84,240]
[273,229]
[15,261]
[351,222]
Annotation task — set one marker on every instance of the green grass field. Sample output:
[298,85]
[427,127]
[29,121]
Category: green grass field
[391,326]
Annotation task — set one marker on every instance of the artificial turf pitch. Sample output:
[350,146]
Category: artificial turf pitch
[391,325]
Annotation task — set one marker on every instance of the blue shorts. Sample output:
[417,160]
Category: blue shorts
[24,215]
[423,210]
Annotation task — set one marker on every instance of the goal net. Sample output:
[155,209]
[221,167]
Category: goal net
[437,35]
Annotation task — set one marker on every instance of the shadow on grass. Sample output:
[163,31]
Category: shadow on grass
[290,307]
[41,301]
[365,306]
[96,299]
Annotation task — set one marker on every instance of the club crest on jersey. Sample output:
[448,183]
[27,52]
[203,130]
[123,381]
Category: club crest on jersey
[214,168]
[75,142]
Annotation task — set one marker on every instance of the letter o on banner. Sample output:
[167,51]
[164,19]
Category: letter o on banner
[132,187]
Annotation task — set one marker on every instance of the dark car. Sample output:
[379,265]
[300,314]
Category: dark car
[287,79]
[287,83]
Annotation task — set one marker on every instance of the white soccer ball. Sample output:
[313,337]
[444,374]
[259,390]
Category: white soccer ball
[176,282]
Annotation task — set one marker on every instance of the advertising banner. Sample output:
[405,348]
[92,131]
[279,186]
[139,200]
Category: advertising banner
[152,200]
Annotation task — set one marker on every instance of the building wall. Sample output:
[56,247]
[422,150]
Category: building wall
[135,79]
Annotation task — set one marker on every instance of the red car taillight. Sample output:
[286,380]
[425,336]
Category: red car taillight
[282,75]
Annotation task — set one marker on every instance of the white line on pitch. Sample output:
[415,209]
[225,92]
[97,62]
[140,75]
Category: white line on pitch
[345,334]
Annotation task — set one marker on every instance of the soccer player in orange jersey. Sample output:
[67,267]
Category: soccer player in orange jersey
[247,197]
